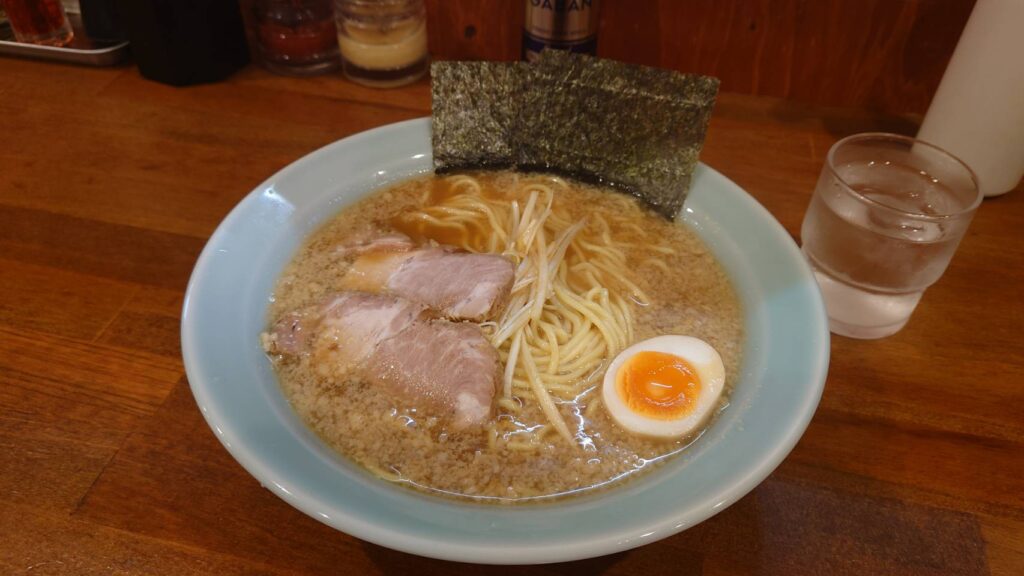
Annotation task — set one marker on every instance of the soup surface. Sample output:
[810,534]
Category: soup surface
[670,284]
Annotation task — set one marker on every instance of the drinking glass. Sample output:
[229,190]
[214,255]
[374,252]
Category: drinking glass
[884,221]
[39,21]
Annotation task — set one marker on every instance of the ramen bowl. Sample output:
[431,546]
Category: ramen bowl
[785,360]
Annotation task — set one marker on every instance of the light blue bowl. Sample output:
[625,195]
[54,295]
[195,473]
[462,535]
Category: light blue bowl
[784,365]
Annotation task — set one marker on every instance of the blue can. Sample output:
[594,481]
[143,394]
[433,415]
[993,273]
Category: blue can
[560,25]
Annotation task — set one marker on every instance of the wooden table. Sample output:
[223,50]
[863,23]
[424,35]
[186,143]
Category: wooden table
[110,185]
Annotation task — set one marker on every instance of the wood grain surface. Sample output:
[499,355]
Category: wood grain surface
[875,54]
[109,187]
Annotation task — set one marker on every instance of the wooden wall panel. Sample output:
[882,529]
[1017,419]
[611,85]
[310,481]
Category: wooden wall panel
[879,54]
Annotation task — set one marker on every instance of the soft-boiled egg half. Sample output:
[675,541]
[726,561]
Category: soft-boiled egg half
[664,387]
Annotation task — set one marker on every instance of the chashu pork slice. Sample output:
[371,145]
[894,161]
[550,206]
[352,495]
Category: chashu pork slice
[346,325]
[353,324]
[449,366]
[459,285]
[446,368]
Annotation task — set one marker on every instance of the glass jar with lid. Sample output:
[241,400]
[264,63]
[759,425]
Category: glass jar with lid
[383,42]
[296,37]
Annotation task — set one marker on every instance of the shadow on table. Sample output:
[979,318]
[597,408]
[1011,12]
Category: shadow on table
[787,525]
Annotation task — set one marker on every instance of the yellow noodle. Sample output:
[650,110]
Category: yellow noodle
[508,404]
[580,305]
[492,436]
[572,297]
[542,277]
[389,476]
[522,446]
[657,263]
[513,357]
[552,348]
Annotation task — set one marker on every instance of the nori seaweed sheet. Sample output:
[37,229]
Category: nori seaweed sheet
[637,128]
[472,119]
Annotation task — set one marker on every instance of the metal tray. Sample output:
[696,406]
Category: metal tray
[81,50]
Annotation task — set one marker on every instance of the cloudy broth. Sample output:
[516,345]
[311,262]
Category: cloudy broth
[689,294]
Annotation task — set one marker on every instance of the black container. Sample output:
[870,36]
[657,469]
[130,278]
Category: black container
[184,42]
[100,20]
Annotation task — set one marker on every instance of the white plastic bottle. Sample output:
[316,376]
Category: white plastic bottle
[977,113]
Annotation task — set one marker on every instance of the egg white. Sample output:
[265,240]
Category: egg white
[704,359]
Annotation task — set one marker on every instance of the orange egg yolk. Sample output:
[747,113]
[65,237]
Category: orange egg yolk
[657,385]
